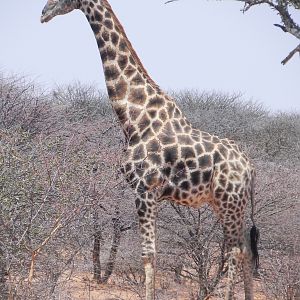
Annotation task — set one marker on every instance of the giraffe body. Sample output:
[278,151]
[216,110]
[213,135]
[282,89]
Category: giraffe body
[166,158]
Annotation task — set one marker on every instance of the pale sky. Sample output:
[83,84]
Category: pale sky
[198,44]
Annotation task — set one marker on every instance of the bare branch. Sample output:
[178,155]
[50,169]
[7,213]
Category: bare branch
[170,1]
[291,54]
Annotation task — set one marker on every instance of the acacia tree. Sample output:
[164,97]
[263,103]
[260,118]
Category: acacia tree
[284,9]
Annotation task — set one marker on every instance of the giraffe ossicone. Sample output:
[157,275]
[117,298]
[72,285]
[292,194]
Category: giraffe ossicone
[166,158]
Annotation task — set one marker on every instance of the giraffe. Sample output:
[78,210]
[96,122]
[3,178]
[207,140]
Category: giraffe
[166,158]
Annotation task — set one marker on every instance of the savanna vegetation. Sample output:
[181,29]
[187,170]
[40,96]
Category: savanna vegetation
[66,213]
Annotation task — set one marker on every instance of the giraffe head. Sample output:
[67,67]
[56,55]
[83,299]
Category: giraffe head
[58,7]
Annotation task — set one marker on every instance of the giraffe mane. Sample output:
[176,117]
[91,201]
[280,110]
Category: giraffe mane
[128,43]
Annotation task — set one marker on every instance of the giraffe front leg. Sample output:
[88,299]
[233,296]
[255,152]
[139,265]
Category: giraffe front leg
[146,208]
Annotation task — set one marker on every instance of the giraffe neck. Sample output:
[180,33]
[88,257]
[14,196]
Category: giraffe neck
[128,84]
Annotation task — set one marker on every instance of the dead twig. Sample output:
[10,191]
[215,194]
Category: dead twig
[291,54]
[36,251]
[170,1]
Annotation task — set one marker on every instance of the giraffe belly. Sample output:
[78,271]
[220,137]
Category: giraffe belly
[193,197]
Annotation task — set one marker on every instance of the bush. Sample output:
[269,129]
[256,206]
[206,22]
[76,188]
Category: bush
[65,207]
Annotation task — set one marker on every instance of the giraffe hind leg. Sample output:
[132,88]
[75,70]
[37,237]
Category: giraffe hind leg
[250,262]
[248,275]
[146,209]
[235,244]
[240,255]
[234,261]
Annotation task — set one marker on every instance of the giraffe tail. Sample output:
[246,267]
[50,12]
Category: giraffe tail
[254,232]
[254,238]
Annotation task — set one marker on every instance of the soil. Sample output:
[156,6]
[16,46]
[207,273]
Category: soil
[83,287]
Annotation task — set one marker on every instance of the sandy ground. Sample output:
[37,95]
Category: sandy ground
[82,287]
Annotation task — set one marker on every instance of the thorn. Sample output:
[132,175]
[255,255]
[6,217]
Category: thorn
[280,26]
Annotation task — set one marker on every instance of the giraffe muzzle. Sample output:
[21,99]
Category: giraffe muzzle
[48,11]
[46,16]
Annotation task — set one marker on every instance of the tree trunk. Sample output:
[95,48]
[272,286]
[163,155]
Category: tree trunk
[3,277]
[96,254]
[202,288]
[113,250]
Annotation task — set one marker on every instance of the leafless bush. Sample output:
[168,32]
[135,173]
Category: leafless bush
[82,102]
[283,280]
[277,213]
[226,115]
[279,137]
[64,207]
[281,261]
[51,185]
[192,247]
[22,105]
